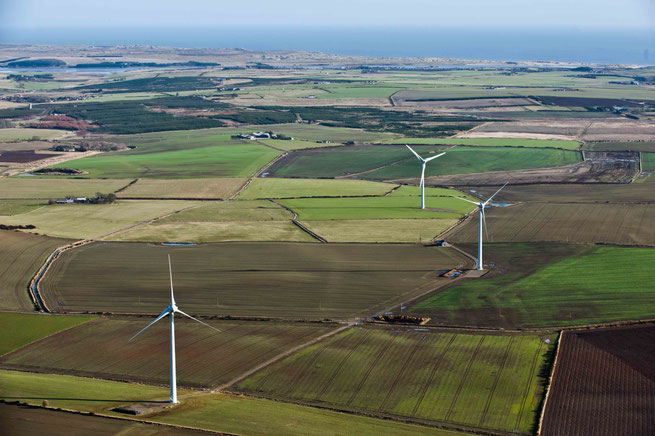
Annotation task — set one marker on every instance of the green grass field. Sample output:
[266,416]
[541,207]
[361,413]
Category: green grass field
[17,207]
[387,230]
[296,144]
[32,187]
[240,160]
[21,256]
[376,208]
[493,142]
[290,188]
[20,329]
[24,134]
[247,210]
[255,416]
[184,188]
[396,162]
[465,160]
[592,284]
[76,393]
[93,220]
[480,381]
[289,280]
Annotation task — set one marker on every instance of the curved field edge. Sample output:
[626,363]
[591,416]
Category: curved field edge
[21,256]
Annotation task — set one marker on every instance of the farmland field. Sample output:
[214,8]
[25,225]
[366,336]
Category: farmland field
[240,160]
[387,230]
[493,142]
[21,256]
[19,420]
[184,188]
[74,393]
[340,161]
[19,329]
[259,417]
[427,375]
[581,193]
[547,285]
[290,280]
[216,231]
[31,187]
[18,134]
[102,349]
[290,188]
[603,383]
[377,208]
[623,224]
[17,207]
[465,160]
[247,220]
[93,220]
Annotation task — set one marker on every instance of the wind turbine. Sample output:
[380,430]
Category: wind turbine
[423,162]
[481,205]
[171,310]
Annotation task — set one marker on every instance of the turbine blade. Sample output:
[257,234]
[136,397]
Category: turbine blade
[197,320]
[434,157]
[163,314]
[489,199]
[484,220]
[170,273]
[472,202]
[415,153]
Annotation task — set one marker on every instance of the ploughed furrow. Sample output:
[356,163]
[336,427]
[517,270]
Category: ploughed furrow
[464,377]
[336,371]
[528,384]
[433,371]
[410,356]
[483,416]
[378,358]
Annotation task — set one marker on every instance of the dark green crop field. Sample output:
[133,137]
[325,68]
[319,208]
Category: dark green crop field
[342,161]
[397,162]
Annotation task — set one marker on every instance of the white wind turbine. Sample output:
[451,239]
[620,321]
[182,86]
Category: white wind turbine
[423,162]
[171,310]
[481,205]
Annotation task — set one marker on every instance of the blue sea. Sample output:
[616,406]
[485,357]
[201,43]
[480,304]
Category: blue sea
[610,46]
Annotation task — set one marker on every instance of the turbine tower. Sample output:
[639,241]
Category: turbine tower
[171,310]
[423,162]
[481,205]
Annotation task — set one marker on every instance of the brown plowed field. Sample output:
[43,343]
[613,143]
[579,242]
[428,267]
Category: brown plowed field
[290,280]
[205,357]
[603,384]
[625,224]
[23,156]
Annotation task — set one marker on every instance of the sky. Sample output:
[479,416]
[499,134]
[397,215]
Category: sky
[117,14]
